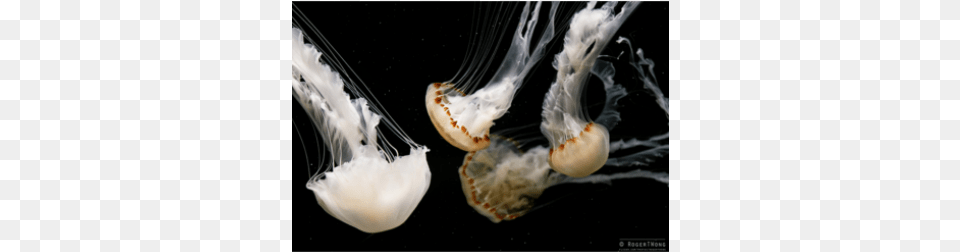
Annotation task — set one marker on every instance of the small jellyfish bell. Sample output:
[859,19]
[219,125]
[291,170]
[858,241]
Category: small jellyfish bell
[578,145]
[484,173]
[462,115]
[367,184]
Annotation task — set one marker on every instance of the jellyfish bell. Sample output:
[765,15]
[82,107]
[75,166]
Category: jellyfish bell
[367,184]
[463,114]
[501,182]
[440,98]
[372,194]
[584,154]
[579,146]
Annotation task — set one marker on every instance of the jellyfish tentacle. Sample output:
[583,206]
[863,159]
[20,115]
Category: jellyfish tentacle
[633,142]
[649,80]
[609,116]
[639,158]
[642,158]
[608,178]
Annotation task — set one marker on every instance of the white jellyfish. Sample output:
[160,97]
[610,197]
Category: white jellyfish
[578,145]
[463,114]
[367,184]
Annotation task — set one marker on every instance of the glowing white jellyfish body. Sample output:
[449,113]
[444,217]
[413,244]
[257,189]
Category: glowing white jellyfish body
[368,187]
[463,119]
[578,146]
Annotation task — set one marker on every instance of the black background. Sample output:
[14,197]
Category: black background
[397,49]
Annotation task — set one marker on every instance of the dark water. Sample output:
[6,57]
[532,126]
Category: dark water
[397,49]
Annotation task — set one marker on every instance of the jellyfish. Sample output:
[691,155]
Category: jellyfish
[580,146]
[367,184]
[463,116]
[501,182]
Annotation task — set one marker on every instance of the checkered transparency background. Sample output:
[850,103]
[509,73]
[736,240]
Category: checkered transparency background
[145,126]
[815,125]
